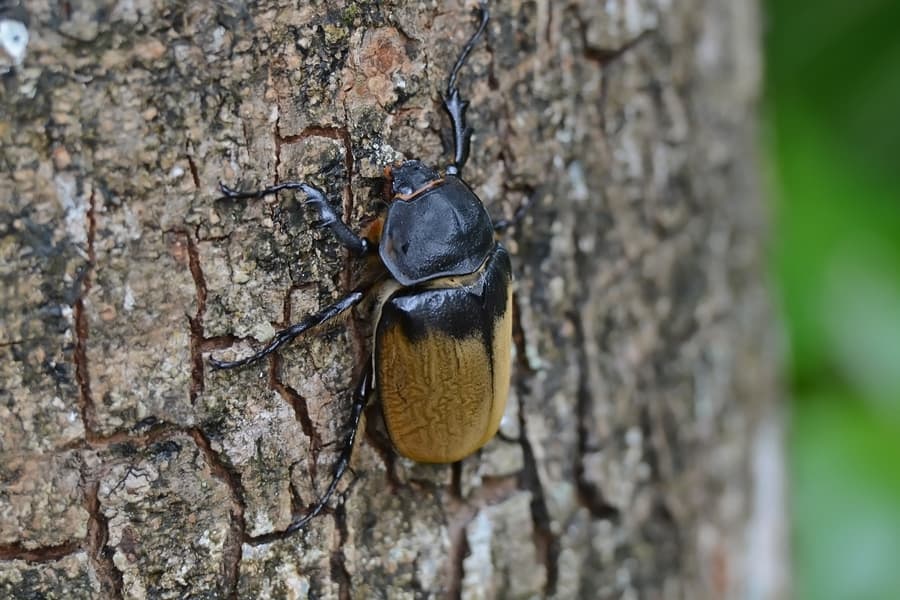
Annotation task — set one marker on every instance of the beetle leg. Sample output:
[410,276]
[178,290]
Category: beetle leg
[509,440]
[456,106]
[230,193]
[360,399]
[501,225]
[326,215]
[285,336]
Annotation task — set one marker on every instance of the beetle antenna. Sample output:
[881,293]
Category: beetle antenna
[456,106]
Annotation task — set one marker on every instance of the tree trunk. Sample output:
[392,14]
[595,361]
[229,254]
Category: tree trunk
[643,368]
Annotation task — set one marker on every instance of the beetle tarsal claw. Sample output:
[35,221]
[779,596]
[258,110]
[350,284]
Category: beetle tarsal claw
[228,191]
[321,223]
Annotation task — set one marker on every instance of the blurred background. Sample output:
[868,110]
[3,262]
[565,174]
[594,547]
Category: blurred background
[833,151]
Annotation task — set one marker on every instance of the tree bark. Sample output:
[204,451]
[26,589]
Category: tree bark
[644,362]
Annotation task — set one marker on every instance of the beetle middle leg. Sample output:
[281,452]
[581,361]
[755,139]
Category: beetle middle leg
[456,106]
[360,399]
[287,335]
[315,199]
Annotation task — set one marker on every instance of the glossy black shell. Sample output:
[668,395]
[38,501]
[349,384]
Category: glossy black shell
[441,232]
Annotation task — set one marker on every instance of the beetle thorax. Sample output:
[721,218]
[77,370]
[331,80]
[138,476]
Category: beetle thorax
[410,178]
[440,230]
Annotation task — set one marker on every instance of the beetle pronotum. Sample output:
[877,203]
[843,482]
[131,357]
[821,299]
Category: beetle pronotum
[440,362]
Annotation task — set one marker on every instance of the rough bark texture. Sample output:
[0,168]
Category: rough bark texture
[129,469]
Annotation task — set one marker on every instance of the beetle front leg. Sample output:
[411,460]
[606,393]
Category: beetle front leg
[327,217]
[315,199]
[456,106]
[360,399]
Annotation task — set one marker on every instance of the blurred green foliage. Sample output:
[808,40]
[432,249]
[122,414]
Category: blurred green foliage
[833,97]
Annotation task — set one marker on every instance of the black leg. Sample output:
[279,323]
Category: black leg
[287,335]
[501,225]
[326,215]
[360,399]
[507,439]
[456,106]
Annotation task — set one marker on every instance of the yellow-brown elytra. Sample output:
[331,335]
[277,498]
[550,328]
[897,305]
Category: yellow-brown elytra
[442,306]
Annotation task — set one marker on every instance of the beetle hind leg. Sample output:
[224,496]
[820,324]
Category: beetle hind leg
[456,106]
[360,399]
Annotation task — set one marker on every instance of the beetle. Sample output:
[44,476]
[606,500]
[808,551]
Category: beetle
[441,354]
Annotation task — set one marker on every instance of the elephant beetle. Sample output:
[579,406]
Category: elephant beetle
[440,362]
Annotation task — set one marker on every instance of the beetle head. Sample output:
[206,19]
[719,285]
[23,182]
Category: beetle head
[409,177]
